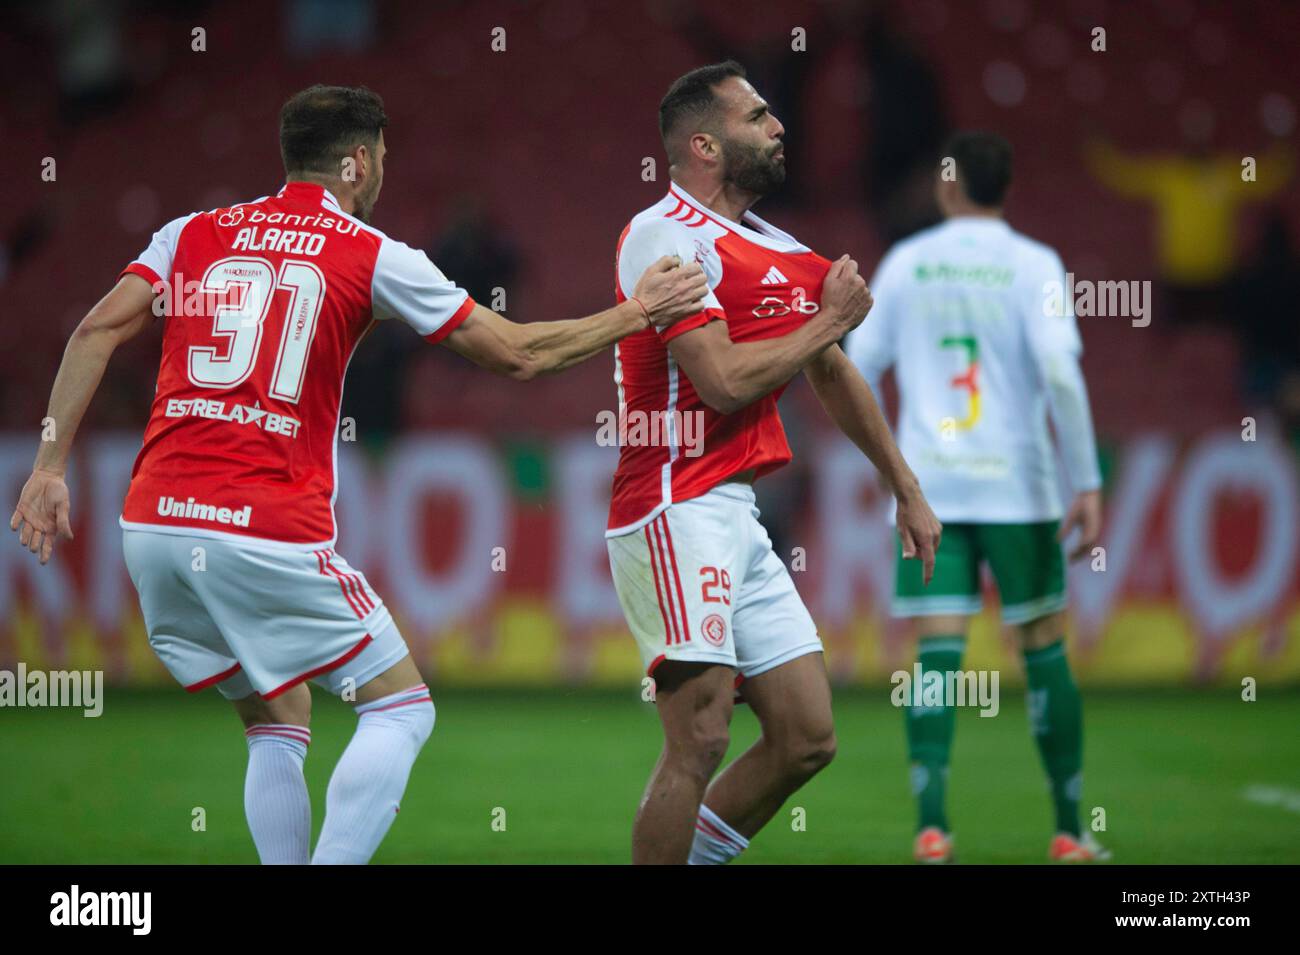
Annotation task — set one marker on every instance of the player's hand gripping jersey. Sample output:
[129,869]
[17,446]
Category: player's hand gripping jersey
[266,302]
[765,284]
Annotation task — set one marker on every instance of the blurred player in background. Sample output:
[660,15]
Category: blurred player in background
[707,599]
[229,522]
[982,358]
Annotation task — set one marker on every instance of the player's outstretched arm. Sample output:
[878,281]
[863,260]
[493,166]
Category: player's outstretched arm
[42,511]
[728,376]
[666,293]
[848,400]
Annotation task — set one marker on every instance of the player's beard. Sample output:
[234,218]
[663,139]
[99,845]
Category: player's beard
[752,169]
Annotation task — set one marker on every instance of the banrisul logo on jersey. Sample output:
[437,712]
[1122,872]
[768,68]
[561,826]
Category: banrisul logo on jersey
[288,232]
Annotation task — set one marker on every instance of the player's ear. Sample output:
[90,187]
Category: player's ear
[705,146]
[358,164]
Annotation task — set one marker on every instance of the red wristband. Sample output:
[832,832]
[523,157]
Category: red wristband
[644,311]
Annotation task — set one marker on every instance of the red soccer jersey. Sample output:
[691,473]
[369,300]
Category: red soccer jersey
[266,302]
[764,284]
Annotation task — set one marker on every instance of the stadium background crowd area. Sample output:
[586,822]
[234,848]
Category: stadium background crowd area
[517,170]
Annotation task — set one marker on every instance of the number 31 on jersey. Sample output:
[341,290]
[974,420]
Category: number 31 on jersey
[252,282]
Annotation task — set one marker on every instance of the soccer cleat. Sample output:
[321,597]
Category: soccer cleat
[1068,848]
[933,846]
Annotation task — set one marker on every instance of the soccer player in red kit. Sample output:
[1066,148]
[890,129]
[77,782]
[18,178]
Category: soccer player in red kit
[229,519]
[707,599]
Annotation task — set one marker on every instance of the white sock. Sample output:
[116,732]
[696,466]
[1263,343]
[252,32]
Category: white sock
[716,843]
[275,793]
[367,784]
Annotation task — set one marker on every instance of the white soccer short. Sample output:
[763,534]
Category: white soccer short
[254,617]
[701,583]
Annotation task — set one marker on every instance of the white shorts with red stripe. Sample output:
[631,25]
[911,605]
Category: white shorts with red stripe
[253,617]
[701,583]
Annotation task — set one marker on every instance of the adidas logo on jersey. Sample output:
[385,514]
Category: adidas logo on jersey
[774,277]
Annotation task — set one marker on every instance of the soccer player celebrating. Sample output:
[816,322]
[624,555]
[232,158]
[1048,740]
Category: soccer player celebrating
[968,317]
[707,599]
[229,523]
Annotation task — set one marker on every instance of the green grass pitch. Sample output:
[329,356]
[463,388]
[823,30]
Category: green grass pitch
[1171,769]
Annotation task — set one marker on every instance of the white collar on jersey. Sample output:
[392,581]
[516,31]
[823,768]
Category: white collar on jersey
[978,222]
[758,231]
[327,197]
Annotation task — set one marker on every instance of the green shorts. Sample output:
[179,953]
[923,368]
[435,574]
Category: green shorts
[1026,560]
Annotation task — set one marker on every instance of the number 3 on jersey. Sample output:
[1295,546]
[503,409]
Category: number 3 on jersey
[241,322]
[967,381]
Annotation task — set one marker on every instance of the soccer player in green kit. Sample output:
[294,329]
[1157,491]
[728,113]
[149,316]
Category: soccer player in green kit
[983,355]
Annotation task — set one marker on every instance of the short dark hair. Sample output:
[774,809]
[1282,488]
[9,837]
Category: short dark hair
[322,124]
[691,95]
[983,165]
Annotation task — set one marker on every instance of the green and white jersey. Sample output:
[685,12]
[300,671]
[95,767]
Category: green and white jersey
[972,316]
